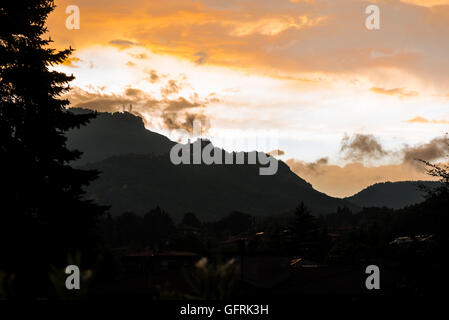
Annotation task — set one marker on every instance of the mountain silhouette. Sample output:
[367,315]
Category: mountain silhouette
[393,195]
[112,134]
[137,175]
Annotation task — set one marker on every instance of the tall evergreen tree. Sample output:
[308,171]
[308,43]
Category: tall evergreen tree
[305,232]
[158,226]
[43,216]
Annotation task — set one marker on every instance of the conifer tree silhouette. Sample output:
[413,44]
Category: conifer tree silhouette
[43,216]
[304,231]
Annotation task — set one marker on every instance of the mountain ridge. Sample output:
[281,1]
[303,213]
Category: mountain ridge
[394,195]
[137,175]
[110,134]
[211,191]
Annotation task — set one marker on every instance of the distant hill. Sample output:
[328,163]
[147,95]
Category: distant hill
[391,194]
[137,175]
[114,134]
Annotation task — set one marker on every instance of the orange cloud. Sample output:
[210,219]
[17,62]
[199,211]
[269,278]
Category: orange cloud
[290,36]
[427,3]
[276,152]
[400,92]
[419,119]
[71,62]
[274,26]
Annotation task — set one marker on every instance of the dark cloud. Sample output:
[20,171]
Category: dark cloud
[181,104]
[361,146]
[113,102]
[97,101]
[201,57]
[437,148]
[314,166]
[365,146]
[139,55]
[180,114]
[185,121]
[172,87]
[153,76]
[131,92]
[123,44]
[175,113]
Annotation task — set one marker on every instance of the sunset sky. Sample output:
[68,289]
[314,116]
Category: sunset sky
[350,106]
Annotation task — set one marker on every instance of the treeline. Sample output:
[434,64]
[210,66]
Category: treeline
[340,237]
[156,230]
